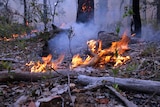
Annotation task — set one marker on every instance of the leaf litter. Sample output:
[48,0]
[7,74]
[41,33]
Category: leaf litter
[145,64]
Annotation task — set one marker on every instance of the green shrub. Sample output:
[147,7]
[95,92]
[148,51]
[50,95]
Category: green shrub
[7,30]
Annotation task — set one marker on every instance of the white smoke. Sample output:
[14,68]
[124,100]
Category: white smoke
[107,14]
[150,34]
[81,34]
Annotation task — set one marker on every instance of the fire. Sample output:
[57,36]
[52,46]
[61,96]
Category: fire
[46,64]
[99,57]
[86,7]
[15,35]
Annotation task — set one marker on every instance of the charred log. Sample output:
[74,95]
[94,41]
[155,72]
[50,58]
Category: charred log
[107,38]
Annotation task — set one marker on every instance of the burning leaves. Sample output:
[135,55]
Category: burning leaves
[46,64]
[99,57]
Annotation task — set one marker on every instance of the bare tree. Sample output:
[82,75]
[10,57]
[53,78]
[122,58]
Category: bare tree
[158,11]
[136,17]
[45,19]
[25,13]
[6,12]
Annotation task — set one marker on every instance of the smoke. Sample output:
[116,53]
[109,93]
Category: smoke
[150,34]
[81,34]
[108,15]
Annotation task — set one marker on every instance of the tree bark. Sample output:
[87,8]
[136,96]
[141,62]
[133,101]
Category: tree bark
[45,14]
[85,12]
[8,12]
[12,76]
[147,86]
[158,11]
[25,13]
[136,18]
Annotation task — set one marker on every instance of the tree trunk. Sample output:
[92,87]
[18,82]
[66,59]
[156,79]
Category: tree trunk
[8,12]
[136,18]
[25,13]
[85,12]
[158,11]
[45,14]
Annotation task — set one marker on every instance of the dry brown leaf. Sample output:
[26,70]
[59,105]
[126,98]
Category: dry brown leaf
[32,104]
[102,100]
[76,90]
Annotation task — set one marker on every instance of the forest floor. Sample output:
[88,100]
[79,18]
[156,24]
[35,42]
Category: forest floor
[53,92]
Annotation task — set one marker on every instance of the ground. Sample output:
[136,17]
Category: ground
[144,64]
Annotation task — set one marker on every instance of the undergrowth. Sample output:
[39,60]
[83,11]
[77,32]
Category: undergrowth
[7,30]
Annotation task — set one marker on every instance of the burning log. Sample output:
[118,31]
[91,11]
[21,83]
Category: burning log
[99,56]
[147,86]
[107,38]
[92,62]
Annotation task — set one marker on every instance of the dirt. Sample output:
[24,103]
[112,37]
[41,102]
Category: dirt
[144,64]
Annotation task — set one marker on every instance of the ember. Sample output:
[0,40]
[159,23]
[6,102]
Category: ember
[46,64]
[99,57]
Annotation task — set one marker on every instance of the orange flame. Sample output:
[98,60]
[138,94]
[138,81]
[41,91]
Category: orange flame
[121,46]
[86,7]
[46,64]
[101,56]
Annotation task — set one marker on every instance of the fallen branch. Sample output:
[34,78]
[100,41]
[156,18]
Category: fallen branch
[11,60]
[11,76]
[99,84]
[69,91]
[147,86]
[125,100]
[94,60]
[149,99]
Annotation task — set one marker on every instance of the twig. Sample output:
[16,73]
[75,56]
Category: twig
[125,100]
[54,10]
[69,91]
[57,71]
[70,35]
[92,86]
[62,101]
[148,99]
